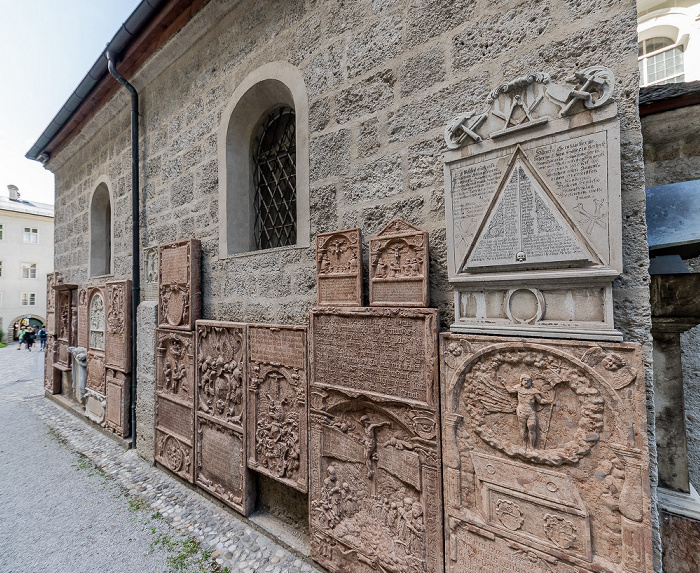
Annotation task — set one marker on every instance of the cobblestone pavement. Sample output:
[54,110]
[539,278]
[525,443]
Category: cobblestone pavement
[71,499]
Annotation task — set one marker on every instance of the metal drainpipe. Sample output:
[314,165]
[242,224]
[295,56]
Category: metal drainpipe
[135,242]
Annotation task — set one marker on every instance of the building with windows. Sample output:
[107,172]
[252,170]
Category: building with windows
[26,257]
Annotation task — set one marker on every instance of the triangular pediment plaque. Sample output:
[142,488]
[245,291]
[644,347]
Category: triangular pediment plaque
[526,226]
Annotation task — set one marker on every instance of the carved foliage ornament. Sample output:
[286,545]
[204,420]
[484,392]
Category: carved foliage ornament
[115,317]
[530,101]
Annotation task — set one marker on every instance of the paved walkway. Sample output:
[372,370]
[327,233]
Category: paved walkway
[73,501]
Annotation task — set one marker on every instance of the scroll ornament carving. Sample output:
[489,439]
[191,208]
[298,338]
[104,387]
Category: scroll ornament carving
[528,394]
[115,317]
[177,458]
[519,104]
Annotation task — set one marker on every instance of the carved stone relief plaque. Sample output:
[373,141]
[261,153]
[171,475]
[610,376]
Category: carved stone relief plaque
[532,194]
[97,318]
[277,403]
[96,372]
[118,326]
[220,464]
[83,318]
[398,266]
[375,473]
[174,406]
[543,448]
[118,391]
[52,376]
[150,279]
[64,325]
[52,280]
[180,296]
[339,268]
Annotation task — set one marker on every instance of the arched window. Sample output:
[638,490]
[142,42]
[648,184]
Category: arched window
[100,232]
[264,163]
[97,322]
[660,62]
[274,180]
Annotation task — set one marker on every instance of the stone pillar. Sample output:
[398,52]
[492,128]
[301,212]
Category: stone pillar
[147,317]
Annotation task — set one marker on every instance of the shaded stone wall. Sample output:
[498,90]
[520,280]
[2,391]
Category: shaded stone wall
[383,77]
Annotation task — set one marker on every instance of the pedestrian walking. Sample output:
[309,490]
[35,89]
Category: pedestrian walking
[29,338]
[42,338]
[22,334]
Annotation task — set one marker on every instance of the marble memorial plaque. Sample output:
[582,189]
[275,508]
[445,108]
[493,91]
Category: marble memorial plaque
[83,318]
[220,456]
[277,403]
[118,391]
[96,372]
[398,266]
[339,268]
[180,296]
[544,456]
[150,279]
[532,191]
[174,405]
[118,327]
[375,492]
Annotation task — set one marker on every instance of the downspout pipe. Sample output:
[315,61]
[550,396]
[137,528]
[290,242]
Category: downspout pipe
[135,241]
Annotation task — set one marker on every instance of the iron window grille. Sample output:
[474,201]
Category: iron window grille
[274,179]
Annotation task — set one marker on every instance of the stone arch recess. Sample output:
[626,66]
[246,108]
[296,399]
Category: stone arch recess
[101,254]
[271,85]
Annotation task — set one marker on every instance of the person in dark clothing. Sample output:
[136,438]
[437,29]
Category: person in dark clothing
[42,338]
[29,338]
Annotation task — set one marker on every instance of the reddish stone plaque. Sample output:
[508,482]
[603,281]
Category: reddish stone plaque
[118,392]
[375,472]
[52,376]
[220,464]
[545,456]
[83,318]
[63,327]
[96,371]
[180,296]
[398,266]
[174,406]
[52,280]
[118,327]
[339,268]
[277,403]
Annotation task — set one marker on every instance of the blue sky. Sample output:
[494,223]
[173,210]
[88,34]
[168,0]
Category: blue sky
[47,47]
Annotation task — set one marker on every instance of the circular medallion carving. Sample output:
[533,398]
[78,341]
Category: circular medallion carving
[525,305]
[509,514]
[560,531]
[174,454]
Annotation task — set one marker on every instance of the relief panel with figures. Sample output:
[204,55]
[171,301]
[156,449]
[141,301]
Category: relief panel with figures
[180,296]
[83,318]
[375,472]
[118,326]
[543,448]
[174,406]
[398,266]
[339,268]
[220,460]
[277,403]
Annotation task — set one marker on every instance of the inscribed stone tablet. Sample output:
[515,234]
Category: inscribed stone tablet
[174,406]
[83,318]
[339,268]
[277,403]
[544,455]
[118,333]
[96,371]
[220,465]
[150,282]
[375,473]
[180,296]
[118,391]
[398,266]
[63,316]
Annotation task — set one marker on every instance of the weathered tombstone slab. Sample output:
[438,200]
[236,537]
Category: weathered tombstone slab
[220,465]
[277,403]
[118,328]
[532,190]
[339,268]
[174,406]
[374,447]
[52,280]
[52,376]
[96,371]
[150,282]
[83,318]
[545,456]
[180,296]
[63,325]
[398,266]
[118,392]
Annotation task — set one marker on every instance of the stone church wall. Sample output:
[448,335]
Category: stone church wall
[383,78]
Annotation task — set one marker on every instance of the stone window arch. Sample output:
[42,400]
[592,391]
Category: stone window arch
[97,322]
[101,231]
[264,103]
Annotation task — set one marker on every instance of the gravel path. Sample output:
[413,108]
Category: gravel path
[73,501]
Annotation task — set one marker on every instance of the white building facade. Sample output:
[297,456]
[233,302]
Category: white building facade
[26,257]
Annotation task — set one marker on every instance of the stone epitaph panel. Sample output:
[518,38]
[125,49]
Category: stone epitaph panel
[118,327]
[174,406]
[220,444]
[374,440]
[52,280]
[545,457]
[118,392]
[180,293]
[339,268]
[277,403]
[52,376]
[532,190]
[398,266]
[96,372]
[64,329]
[150,279]
[83,318]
